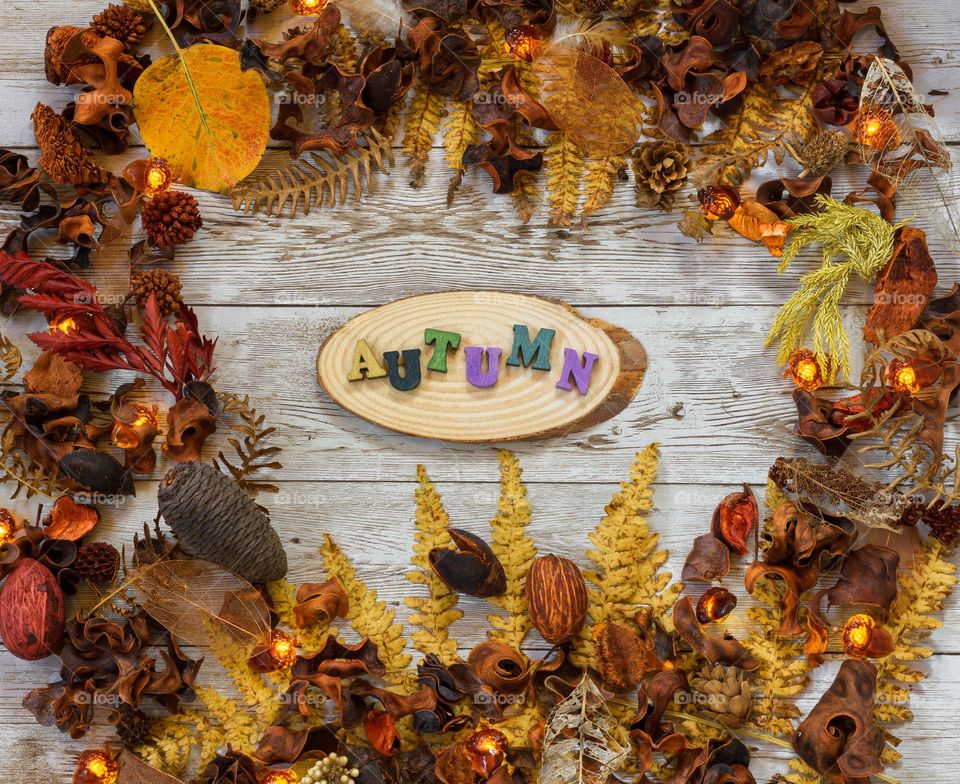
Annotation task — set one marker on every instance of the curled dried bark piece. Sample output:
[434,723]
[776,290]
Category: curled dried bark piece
[647,730]
[726,650]
[281,745]
[735,517]
[472,568]
[708,560]
[502,168]
[320,602]
[840,738]
[620,657]
[71,521]
[501,667]
[189,424]
[796,582]
[448,57]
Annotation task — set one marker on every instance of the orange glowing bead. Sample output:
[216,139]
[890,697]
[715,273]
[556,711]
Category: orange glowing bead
[96,767]
[63,325]
[858,634]
[307,7]
[876,128]
[805,371]
[486,749]
[718,202]
[523,42]
[715,605]
[279,777]
[283,650]
[903,377]
[157,177]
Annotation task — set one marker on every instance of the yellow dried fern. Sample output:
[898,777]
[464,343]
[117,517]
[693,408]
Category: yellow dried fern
[564,162]
[315,179]
[516,552]
[369,615]
[628,572]
[10,358]
[459,132]
[599,180]
[344,49]
[422,124]
[435,612]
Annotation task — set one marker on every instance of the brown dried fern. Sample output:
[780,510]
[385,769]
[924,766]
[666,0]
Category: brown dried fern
[28,478]
[252,455]
[315,179]
[10,357]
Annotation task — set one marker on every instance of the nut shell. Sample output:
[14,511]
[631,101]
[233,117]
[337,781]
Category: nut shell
[32,613]
[556,598]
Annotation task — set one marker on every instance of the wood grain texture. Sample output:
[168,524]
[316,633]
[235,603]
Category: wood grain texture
[522,403]
[273,289]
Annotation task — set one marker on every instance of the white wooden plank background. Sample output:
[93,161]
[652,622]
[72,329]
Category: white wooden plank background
[272,289]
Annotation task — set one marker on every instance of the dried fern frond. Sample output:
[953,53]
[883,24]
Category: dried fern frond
[28,478]
[422,124]
[459,132]
[923,591]
[369,615]
[854,242]
[580,744]
[899,139]
[836,490]
[10,357]
[600,178]
[564,161]
[628,572]
[315,180]
[435,612]
[252,455]
[516,552]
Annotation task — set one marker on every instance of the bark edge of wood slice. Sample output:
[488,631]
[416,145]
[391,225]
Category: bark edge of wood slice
[524,404]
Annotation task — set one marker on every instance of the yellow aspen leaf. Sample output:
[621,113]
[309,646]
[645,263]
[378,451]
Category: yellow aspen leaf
[212,126]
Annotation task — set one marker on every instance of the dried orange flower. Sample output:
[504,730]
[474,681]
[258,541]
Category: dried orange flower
[804,369]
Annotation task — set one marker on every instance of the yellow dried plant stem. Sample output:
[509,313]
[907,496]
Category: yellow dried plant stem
[516,552]
[369,616]
[435,612]
[422,124]
[564,163]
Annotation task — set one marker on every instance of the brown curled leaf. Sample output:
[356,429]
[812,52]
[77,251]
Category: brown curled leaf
[501,667]
[708,560]
[725,650]
[796,581]
[71,521]
[320,602]
[189,424]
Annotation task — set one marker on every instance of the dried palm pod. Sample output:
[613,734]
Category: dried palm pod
[62,155]
[472,568]
[133,726]
[722,693]
[213,518]
[97,562]
[122,23]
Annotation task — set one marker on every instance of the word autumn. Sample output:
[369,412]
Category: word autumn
[482,362]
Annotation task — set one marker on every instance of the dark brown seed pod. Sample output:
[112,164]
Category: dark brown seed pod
[471,569]
[556,598]
[214,519]
[97,472]
[620,656]
[32,613]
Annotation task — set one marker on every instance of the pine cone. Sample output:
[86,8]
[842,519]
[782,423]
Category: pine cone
[171,218]
[660,170]
[133,726]
[213,518]
[824,152]
[722,694]
[97,562]
[123,23]
[62,155]
[165,285]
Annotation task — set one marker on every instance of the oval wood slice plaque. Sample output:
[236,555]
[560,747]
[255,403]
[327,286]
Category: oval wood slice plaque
[481,366]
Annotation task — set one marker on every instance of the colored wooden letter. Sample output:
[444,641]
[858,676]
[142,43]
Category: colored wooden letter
[365,362]
[444,342]
[527,351]
[580,372]
[411,364]
[475,374]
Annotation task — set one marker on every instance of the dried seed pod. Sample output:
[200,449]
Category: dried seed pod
[501,667]
[556,598]
[70,520]
[32,613]
[472,568]
[722,693]
[215,519]
[98,472]
[715,605]
[734,518]
[620,656]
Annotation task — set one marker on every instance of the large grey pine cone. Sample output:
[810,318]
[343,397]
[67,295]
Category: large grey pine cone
[214,519]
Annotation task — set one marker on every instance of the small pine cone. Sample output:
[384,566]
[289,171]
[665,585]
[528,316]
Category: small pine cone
[824,152]
[722,693]
[97,562]
[122,23]
[133,726]
[214,519]
[171,218]
[62,155]
[165,285]
[660,170]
